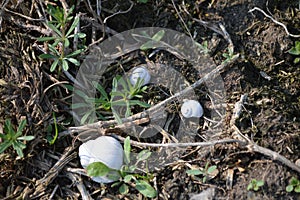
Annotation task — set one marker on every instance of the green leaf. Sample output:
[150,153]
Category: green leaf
[74,24]
[43,39]
[65,65]
[53,66]
[54,29]
[142,1]
[74,53]
[8,129]
[127,149]
[123,189]
[4,145]
[47,56]
[53,49]
[211,169]
[194,172]
[27,138]
[294,181]
[289,188]
[140,103]
[148,45]
[67,42]
[100,89]
[143,155]
[116,115]
[3,136]
[18,146]
[85,116]
[70,11]
[146,189]
[81,35]
[56,12]
[55,129]
[97,169]
[297,189]
[296,60]
[73,60]
[128,178]
[21,127]
[260,183]
[250,186]
[158,36]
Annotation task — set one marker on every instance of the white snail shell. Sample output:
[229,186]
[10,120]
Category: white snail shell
[142,73]
[191,108]
[104,149]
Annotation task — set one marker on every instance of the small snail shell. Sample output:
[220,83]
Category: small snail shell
[142,73]
[191,108]
[104,149]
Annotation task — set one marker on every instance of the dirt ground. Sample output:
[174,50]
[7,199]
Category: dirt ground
[265,71]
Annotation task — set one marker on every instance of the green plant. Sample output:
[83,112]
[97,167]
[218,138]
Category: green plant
[51,139]
[122,94]
[255,184]
[128,176]
[203,46]
[228,55]
[206,172]
[142,1]
[294,185]
[295,50]
[13,138]
[61,38]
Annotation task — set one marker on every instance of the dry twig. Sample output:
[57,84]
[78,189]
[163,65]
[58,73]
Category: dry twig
[275,21]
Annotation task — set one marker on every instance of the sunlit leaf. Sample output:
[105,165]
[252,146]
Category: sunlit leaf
[74,24]
[158,36]
[65,65]
[43,39]
[97,169]
[4,145]
[143,155]
[194,172]
[53,66]
[73,60]
[74,53]
[146,189]
[47,56]
[27,137]
[289,188]
[54,29]
[128,178]
[123,189]
[127,149]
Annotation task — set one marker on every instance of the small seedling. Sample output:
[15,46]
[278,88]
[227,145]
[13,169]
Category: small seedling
[51,139]
[255,184]
[122,95]
[294,185]
[128,175]
[61,38]
[206,172]
[13,138]
[228,55]
[295,50]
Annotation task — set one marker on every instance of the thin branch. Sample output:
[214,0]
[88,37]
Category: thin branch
[275,21]
[188,144]
[119,12]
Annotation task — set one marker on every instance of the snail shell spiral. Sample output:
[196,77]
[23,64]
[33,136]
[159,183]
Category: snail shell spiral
[142,73]
[104,149]
[191,108]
